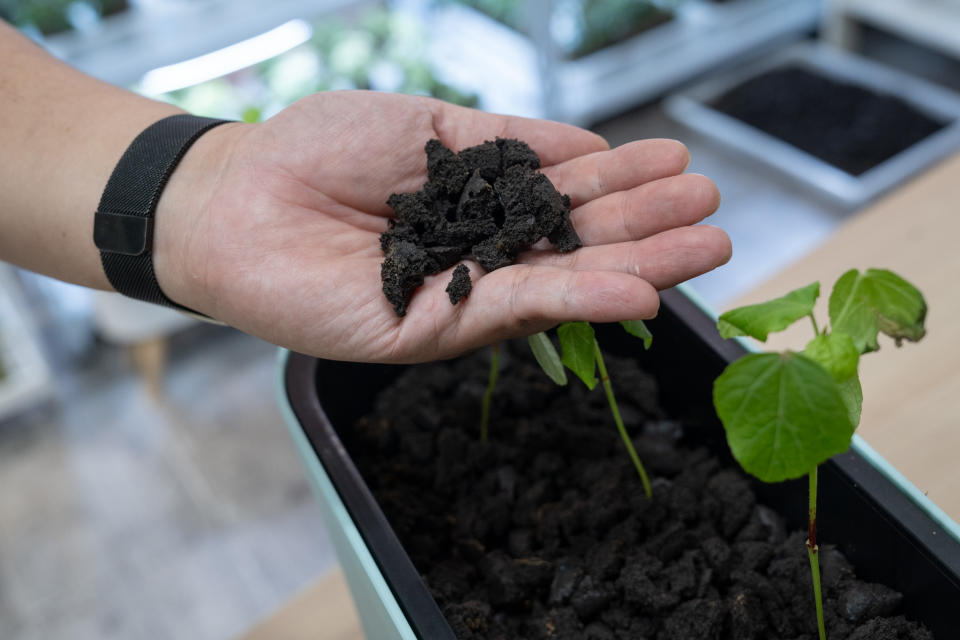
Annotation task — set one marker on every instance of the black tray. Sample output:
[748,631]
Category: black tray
[885,534]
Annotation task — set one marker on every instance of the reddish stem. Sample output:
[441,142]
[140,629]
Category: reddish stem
[812,533]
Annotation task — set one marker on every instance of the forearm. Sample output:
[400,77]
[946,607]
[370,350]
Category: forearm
[61,134]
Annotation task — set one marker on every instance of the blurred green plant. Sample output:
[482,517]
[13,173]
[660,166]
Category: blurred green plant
[383,51]
[581,27]
[512,13]
[595,24]
[53,16]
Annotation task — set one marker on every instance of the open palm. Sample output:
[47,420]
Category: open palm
[286,245]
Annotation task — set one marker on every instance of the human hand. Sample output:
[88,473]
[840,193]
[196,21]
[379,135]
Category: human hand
[273,228]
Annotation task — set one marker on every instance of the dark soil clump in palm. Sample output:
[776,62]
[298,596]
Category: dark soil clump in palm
[460,285]
[487,202]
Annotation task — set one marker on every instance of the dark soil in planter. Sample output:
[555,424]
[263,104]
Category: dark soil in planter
[544,531]
[850,127]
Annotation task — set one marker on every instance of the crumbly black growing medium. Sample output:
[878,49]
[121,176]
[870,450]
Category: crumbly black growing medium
[460,285]
[487,202]
[544,533]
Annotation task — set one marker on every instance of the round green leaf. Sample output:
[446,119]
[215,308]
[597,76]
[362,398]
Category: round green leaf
[783,414]
[758,320]
[547,357]
[862,305]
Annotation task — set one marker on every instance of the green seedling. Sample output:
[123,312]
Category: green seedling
[488,394]
[582,355]
[546,356]
[786,413]
[549,360]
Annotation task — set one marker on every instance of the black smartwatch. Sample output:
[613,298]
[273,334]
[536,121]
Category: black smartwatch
[123,224]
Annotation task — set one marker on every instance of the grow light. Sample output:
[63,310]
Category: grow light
[227,60]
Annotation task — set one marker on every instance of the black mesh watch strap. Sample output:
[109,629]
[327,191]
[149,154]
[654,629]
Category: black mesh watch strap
[123,224]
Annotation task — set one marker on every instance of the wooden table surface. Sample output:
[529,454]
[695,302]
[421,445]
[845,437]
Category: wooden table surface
[323,611]
[911,408]
[911,405]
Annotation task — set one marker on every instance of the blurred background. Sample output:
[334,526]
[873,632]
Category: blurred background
[148,486]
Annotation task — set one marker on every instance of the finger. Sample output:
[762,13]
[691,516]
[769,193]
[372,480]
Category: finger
[523,299]
[591,176]
[646,210]
[555,142]
[663,260]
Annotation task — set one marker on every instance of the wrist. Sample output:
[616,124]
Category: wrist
[181,235]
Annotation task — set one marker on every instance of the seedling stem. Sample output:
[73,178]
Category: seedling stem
[816,328]
[605,379]
[813,553]
[488,394]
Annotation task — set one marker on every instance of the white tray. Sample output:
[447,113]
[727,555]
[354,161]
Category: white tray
[702,36]
[691,108]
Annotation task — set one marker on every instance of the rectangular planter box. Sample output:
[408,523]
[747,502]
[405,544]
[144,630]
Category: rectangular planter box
[692,108]
[887,529]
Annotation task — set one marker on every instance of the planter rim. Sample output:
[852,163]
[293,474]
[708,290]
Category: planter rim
[365,567]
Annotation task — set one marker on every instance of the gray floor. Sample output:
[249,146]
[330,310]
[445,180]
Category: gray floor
[122,518]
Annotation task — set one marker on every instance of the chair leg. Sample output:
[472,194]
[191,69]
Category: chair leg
[150,358]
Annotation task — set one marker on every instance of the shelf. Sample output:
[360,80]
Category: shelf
[26,379]
[154,33]
[504,67]
[931,23]
[703,36]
